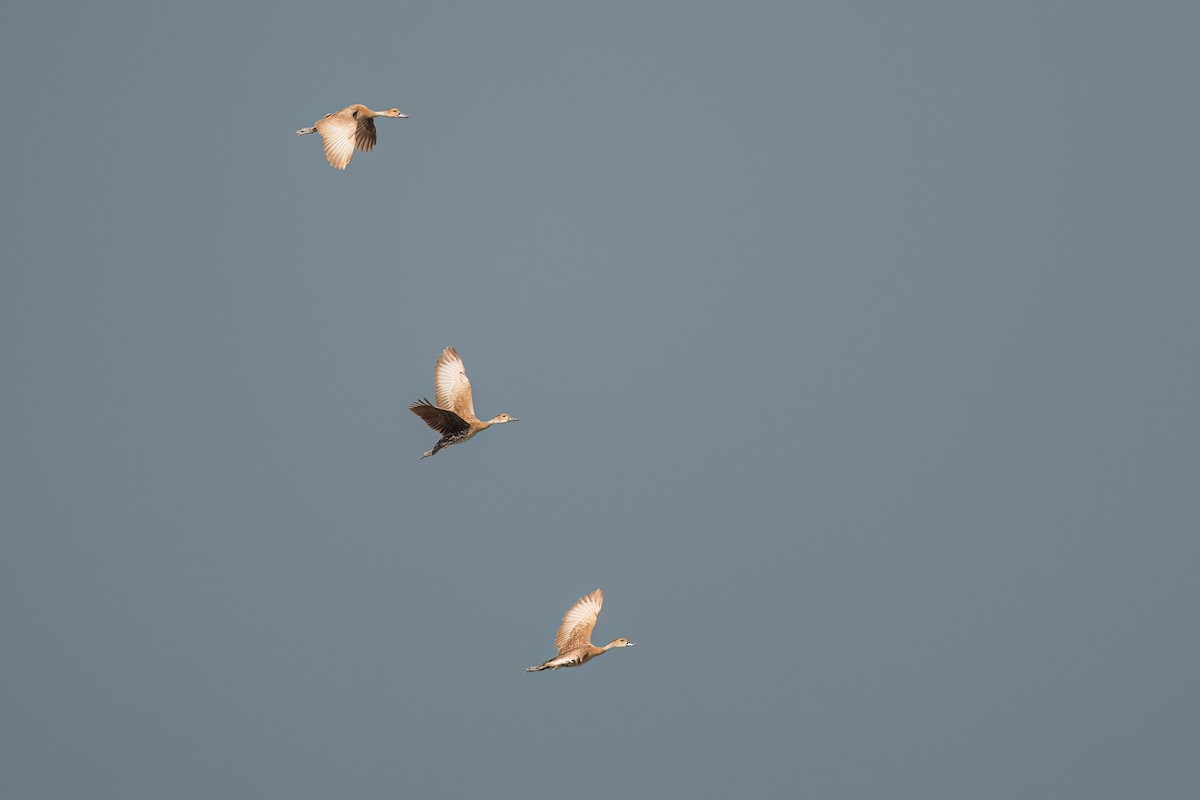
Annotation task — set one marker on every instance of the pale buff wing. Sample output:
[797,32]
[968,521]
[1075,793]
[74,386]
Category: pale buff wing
[337,136]
[364,135]
[577,623]
[450,384]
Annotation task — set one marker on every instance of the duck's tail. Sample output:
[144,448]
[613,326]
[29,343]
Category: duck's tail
[303,131]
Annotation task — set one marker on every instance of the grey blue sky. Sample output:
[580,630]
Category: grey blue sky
[855,351]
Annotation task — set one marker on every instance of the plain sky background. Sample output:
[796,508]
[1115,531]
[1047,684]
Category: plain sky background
[855,351]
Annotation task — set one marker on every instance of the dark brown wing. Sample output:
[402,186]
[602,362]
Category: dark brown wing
[444,422]
[364,135]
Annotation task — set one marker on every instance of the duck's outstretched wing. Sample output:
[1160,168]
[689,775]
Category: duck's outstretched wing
[452,389]
[338,132]
[578,622]
[444,422]
[364,135]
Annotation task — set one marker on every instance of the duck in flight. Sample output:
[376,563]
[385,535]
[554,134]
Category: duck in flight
[342,131]
[454,414]
[574,639]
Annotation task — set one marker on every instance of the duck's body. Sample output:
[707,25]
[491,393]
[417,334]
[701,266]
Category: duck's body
[453,428]
[343,131]
[572,658]
[454,414]
[574,639]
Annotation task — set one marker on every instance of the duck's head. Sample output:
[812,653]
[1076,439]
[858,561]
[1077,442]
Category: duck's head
[496,420]
[393,112]
[622,642]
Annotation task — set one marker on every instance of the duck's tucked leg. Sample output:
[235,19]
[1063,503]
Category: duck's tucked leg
[441,443]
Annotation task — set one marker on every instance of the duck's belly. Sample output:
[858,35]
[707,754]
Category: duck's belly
[571,660]
[457,438]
